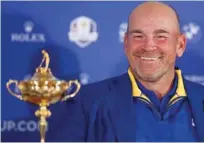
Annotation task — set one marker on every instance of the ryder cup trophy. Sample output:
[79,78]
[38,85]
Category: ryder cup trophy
[43,89]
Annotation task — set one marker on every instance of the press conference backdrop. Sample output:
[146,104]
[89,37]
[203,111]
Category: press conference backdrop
[84,41]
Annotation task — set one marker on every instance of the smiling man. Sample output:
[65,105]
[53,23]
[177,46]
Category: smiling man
[153,41]
[151,102]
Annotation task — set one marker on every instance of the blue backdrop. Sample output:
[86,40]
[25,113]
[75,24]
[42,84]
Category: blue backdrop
[84,40]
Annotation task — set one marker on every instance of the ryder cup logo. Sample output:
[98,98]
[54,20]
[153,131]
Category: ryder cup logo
[122,30]
[28,35]
[192,32]
[83,31]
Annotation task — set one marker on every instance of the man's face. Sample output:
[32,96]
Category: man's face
[152,44]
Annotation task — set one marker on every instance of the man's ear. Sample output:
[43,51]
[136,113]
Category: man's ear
[125,41]
[181,45]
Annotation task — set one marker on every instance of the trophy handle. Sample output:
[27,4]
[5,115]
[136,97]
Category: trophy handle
[73,94]
[11,92]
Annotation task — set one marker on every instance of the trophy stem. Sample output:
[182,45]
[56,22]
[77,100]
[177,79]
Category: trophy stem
[43,126]
[43,113]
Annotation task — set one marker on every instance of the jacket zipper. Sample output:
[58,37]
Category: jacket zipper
[151,105]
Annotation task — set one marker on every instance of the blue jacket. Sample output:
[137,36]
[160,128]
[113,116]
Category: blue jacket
[104,112]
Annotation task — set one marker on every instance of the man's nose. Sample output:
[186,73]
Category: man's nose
[149,44]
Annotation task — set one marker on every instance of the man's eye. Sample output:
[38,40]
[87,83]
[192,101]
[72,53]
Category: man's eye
[162,37]
[138,36]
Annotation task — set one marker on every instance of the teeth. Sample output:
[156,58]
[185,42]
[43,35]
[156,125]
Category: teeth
[149,59]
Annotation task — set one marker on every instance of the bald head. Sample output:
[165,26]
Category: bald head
[154,10]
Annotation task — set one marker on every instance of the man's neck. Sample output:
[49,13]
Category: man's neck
[160,87]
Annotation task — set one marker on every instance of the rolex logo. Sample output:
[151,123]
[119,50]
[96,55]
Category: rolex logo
[28,26]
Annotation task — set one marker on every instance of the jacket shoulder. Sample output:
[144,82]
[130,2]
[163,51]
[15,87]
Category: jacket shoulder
[102,86]
[96,94]
[194,87]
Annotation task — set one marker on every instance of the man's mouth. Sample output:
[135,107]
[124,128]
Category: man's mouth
[149,58]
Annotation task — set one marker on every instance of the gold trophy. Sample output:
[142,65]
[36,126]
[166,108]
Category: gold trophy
[43,89]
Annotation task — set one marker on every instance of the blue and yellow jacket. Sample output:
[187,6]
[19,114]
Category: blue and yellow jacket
[105,111]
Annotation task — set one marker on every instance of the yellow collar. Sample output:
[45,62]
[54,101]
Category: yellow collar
[136,92]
